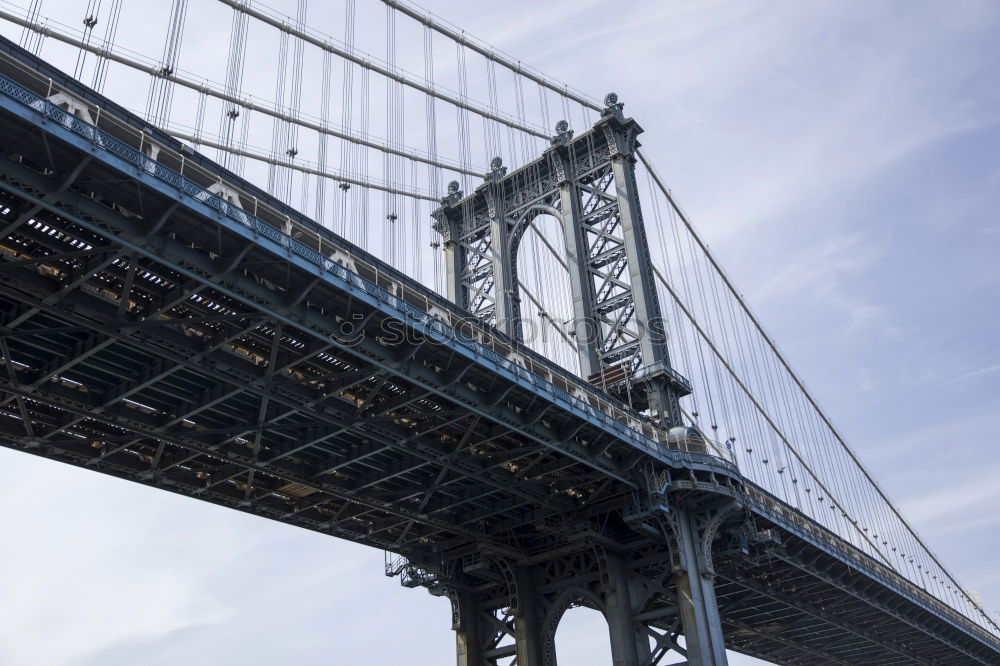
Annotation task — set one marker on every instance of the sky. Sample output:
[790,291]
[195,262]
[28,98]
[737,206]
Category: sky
[842,159]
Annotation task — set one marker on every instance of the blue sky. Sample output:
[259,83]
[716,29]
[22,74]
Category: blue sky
[843,161]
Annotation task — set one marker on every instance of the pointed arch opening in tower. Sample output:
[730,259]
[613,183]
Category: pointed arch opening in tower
[544,292]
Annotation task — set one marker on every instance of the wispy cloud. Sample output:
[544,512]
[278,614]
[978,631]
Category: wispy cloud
[972,374]
[153,584]
[820,270]
[958,506]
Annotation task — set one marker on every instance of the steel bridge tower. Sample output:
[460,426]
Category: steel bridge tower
[586,182]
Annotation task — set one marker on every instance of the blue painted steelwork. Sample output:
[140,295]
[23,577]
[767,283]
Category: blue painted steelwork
[123,157]
[705,490]
[140,126]
[769,506]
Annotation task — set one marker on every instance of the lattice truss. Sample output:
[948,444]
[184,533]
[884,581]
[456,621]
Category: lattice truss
[477,273]
[614,304]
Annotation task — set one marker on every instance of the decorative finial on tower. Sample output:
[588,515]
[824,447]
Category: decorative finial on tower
[454,194]
[497,169]
[612,107]
[563,132]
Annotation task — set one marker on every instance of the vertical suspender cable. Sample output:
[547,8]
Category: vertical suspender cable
[349,153]
[110,33]
[321,149]
[295,101]
[89,21]
[464,148]
[430,110]
[230,113]
[161,88]
[279,145]
[32,41]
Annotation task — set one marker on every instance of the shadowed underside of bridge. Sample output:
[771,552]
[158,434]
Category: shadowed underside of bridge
[152,330]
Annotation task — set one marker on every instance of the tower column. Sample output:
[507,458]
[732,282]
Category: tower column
[528,620]
[584,322]
[470,633]
[695,583]
[453,268]
[448,222]
[629,641]
[656,372]
[505,298]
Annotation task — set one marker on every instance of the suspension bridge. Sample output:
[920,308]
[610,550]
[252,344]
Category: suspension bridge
[454,315]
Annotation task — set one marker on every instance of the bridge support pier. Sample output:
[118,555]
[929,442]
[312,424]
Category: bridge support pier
[629,639]
[645,597]
[470,633]
[691,535]
[530,634]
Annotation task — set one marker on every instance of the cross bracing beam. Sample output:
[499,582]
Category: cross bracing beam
[870,573]
[150,374]
[396,443]
[441,482]
[189,414]
[799,653]
[856,630]
[913,616]
[95,344]
[516,420]
[287,475]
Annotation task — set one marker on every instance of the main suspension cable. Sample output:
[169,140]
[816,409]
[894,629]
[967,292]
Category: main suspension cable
[391,72]
[245,102]
[798,382]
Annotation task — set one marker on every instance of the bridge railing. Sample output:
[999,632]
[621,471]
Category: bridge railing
[782,513]
[172,165]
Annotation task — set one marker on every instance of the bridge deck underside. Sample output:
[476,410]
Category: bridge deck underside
[204,373]
[797,605]
[143,338]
